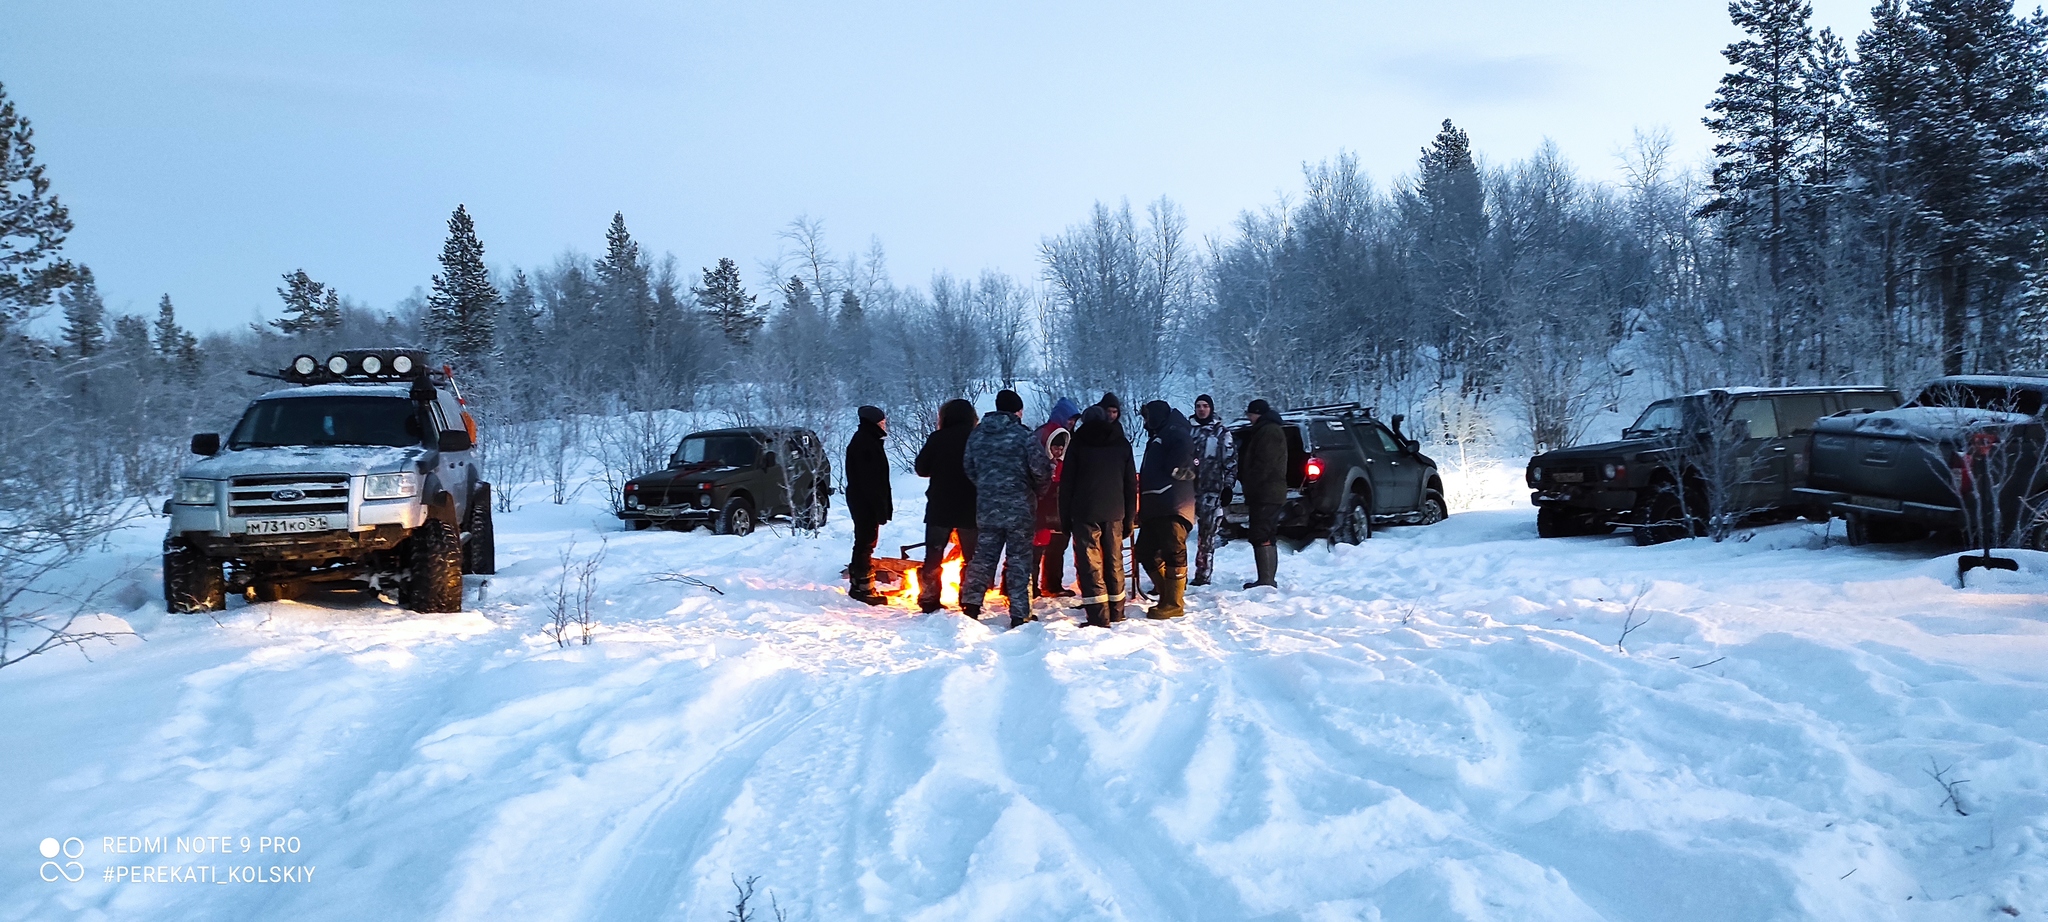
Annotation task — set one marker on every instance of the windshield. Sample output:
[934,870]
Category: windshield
[1981,397]
[716,451]
[335,420]
[1661,417]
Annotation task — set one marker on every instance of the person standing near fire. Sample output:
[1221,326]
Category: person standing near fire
[1215,472]
[1166,505]
[1263,471]
[1098,504]
[867,500]
[1051,540]
[1008,467]
[948,502]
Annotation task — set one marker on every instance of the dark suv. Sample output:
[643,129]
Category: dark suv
[1709,459]
[1346,472]
[731,479]
[1964,458]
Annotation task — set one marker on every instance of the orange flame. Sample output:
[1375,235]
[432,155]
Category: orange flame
[949,582]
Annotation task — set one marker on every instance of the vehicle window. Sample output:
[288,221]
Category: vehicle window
[1330,434]
[1380,438]
[1981,397]
[1297,457]
[1659,418]
[1796,414]
[1867,401]
[1758,413]
[338,420]
[717,451]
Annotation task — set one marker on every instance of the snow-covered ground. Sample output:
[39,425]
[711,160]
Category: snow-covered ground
[1438,724]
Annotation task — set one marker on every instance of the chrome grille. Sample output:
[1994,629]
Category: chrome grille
[270,494]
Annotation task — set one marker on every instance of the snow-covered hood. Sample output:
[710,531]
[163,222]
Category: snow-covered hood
[1921,423]
[1620,449]
[331,459]
[692,474]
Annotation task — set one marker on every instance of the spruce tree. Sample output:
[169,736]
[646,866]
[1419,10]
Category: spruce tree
[85,316]
[625,305]
[737,313]
[33,224]
[1447,213]
[462,311]
[519,325]
[306,306]
[175,345]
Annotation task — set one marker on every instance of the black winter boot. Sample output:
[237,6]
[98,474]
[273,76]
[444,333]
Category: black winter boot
[1267,558]
[1116,611]
[973,612]
[1098,615]
[1017,621]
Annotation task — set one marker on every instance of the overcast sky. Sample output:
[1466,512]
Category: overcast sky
[204,148]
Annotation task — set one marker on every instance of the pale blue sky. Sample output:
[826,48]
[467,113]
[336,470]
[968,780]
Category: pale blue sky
[204,148]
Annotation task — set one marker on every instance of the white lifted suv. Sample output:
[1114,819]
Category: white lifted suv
[363,476]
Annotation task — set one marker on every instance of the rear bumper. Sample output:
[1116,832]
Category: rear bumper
[1934,515]
[1591,499]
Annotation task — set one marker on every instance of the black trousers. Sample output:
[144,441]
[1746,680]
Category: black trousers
[1265,522]
[1052,562]
[1163,544]
[936,537]
[1099,561]
[859,572]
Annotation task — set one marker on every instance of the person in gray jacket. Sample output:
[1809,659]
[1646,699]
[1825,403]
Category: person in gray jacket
[1009,467]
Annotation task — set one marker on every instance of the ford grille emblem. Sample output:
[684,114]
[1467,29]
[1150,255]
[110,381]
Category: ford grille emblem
[288,495]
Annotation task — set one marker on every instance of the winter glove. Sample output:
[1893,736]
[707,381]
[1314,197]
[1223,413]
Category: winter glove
[1185,473]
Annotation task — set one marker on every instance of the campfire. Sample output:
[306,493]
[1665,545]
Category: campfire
[900,580]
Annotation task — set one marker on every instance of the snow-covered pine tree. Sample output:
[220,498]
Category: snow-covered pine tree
[2030,318]
[175,345]
[625,305]
[519,335]
[1884,85]
[85,316]
[33,224]
[722,297]
[1445,210]
[304,306]
[462,310]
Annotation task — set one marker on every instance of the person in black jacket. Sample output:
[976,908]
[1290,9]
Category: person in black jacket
[1262,469]
[1166,505]
[1098,505]
[949,501]
[867,500]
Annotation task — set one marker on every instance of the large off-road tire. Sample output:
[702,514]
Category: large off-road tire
[1662,517]
[1557,522]
[637,524]
[1434,509]
[278,592]
[480,546]
[433,579]
[1353,524]
[737,518]
[1861,529]
[815,516]
[193,582]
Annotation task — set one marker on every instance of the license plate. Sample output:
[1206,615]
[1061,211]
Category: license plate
[1568,477]
[290,526]
[1877,502]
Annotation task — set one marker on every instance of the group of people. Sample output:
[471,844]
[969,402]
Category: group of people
[1010,495]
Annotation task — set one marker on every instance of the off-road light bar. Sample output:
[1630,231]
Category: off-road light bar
[305,364]
[372,364]
[338,364]
[401,364]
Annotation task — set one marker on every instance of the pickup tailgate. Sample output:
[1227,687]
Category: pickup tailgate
[1904,454]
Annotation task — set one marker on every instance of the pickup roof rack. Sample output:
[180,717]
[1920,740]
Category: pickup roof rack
[1354,408]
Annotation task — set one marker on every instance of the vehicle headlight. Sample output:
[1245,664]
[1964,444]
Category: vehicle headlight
[1613,471]
[391,486]
[196,492]
[1535,475]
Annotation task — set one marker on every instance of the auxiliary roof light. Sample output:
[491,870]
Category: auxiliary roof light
[372,364]
[338,364]
[305,364]
[401,364]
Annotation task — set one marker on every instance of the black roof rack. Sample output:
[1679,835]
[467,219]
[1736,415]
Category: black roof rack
[1354,408]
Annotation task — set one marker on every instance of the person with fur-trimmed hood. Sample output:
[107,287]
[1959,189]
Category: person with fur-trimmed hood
[1050,542]
[1215,474]
[1166,505]
[1099,504]
[867,500]
[1009,467]
[948,502]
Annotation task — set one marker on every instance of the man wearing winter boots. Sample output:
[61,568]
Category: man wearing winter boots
[1263,471]
[948,502]
[1008,466]
[1166,505]
[1051,540]
[1215,472]
[867,500]
[1098,501]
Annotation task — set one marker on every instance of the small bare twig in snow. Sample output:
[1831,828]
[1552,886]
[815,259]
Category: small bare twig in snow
[1948,785]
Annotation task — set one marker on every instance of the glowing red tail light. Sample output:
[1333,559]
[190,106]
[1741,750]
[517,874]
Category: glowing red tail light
[1315,470]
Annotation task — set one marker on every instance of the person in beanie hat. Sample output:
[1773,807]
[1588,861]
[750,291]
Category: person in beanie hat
[948,502]
[1051,540]
[1114,406]
[1215,473]
[1009,467]
[867,500]
[1263,471]
[1166,505]
[1098,498]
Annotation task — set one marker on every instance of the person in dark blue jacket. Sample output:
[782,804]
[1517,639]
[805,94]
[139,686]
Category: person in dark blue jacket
[1166,505]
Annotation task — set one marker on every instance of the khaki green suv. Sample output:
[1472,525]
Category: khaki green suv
[734,479]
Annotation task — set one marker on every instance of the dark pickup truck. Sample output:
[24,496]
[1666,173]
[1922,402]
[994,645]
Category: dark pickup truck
[1965,458]
[732,479]
[1347,472]
[1716,457]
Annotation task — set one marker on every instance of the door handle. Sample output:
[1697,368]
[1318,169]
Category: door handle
[1778,448]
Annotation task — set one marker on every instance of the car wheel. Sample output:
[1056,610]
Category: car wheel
[278,592]
[1433,508]
[637,524]
[1354,522]
[433,580]
[1556,522]
[1662,517]
[737,518]
[480,549]
[193,582]
[814,517]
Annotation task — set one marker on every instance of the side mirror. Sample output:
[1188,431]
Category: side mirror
[767,459]
[675,461]
[455,440]
[206,443]
[1414,445]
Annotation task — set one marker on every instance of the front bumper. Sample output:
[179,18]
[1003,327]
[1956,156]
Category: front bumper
[1590,497]
[668,514]
[364,526]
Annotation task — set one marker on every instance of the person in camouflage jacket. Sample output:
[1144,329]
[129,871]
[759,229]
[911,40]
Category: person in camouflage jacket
[1215,476]
[1009,467]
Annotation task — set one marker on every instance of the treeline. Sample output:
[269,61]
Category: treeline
[1870,214]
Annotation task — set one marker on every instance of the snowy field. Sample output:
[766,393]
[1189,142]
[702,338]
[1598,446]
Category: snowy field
[1438,724]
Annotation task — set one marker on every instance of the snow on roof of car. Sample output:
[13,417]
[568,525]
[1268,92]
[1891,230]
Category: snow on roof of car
[366,389]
